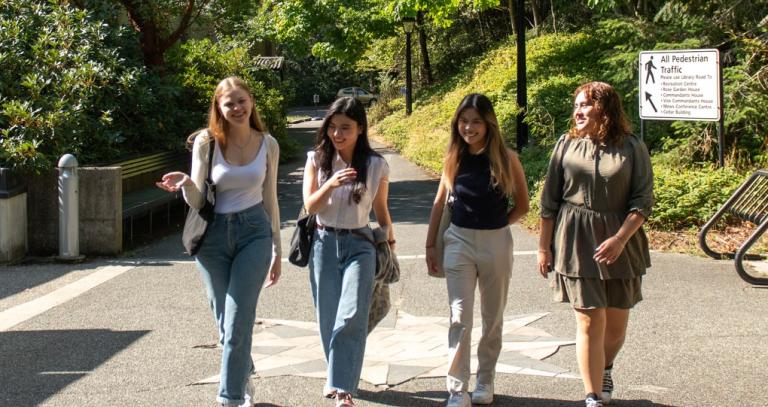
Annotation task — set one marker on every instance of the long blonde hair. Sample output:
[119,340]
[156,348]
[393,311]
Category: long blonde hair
[217,124]
[494,148]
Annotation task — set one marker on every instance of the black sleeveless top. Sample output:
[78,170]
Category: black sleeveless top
[477,204]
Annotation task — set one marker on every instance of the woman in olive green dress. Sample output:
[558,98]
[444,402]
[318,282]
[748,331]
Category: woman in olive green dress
[598,194]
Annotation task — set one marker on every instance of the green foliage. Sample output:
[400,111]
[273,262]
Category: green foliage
[65,87]
[688,189]
[689,197]
[339,30]
[201,64]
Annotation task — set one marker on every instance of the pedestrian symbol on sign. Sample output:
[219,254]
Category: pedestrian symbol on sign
[649,66]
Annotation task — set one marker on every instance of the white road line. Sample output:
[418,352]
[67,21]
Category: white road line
[404,257]
[22,312]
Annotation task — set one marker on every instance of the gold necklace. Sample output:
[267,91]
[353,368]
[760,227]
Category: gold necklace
[247,143]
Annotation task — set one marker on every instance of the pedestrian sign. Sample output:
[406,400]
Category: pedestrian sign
[680,85]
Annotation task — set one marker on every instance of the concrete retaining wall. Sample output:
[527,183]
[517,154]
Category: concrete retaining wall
[13,220]
[101,223]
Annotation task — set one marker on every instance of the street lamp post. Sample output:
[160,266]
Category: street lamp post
[408,25]
[522,85]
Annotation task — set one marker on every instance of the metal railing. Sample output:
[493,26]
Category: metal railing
[750,203]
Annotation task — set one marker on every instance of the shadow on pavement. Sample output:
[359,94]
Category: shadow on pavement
[31,376]
[427,399]
[411,201]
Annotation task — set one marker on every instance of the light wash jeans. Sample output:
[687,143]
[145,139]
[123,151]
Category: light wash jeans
[474,257]
[342,270]
[233,262]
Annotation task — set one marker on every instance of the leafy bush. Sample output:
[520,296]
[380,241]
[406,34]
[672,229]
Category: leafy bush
[65,87]
[202,64]
[689,197]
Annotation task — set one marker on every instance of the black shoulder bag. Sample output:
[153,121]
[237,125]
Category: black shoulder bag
[301,241]
[198,219]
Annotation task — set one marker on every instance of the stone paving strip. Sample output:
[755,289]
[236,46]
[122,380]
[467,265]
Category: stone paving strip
[402,348]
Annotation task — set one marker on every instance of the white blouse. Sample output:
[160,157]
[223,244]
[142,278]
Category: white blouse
[341,211]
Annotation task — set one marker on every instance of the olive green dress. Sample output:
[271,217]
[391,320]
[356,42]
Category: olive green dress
[590,190]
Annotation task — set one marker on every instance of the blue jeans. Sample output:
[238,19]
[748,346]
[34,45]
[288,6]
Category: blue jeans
[233,262]
[342,270]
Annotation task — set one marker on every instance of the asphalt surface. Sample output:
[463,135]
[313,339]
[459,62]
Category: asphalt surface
[145,336]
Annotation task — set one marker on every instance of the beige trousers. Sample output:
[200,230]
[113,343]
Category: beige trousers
[483,258]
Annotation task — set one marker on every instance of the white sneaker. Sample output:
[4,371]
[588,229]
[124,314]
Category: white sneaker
[593,401]
[483,394]
[460,399]
[250,390]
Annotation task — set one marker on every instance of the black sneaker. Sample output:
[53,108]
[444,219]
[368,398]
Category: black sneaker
[593,401]
[607,393]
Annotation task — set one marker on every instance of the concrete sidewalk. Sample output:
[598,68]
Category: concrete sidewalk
[136,331]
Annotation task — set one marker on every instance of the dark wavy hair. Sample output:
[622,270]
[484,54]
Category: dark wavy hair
[325,152]
[613,125]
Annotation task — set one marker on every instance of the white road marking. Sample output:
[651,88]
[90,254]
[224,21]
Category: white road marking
[403,257]
[22,312]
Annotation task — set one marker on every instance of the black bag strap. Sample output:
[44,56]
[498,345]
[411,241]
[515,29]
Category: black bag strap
[210,165]
[208,181]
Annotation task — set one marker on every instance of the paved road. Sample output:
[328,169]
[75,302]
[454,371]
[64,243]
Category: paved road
[136,331]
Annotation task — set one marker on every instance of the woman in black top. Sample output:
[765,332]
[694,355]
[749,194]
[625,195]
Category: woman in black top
[481,174]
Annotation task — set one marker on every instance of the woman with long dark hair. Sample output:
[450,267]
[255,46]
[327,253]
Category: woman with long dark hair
[483,176]
[344,179]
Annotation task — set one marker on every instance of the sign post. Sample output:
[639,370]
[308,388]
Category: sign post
[682,85]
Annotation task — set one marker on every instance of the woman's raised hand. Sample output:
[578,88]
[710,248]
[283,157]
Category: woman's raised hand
[342,177]
[173,181]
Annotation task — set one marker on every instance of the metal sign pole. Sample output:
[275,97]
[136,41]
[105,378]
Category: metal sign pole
[720,125]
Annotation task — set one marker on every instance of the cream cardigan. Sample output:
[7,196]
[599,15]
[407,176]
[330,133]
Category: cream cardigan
[194,196]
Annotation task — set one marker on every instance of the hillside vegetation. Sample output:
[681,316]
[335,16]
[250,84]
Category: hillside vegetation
[688,187]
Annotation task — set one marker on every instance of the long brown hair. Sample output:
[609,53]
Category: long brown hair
[217,124]
[494,148]
[613,124]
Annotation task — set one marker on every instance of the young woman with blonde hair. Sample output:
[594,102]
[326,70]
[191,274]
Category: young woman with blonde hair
[241,248]
[483,176]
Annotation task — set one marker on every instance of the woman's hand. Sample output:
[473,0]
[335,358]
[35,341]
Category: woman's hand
[274,272]
[173,181]
[341,177]
[432,261]
[609,250]
[544,260]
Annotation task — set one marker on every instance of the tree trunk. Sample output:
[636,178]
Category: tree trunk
[536,15]
[153,44]
[554,20]
[425,65]
[511,8]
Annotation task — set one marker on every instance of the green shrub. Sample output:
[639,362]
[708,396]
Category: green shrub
[201,64]
[66,87]
[688,197]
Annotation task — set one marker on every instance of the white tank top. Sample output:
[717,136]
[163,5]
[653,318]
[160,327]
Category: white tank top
[238,187]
